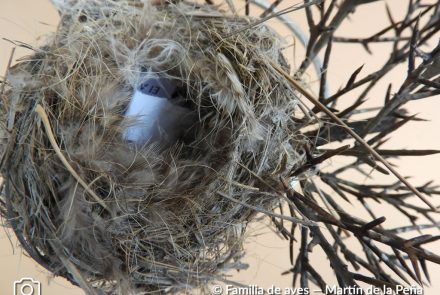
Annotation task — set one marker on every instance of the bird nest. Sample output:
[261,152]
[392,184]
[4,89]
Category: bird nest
[117,217]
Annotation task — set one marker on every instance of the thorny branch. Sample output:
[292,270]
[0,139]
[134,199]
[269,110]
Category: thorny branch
[388,258]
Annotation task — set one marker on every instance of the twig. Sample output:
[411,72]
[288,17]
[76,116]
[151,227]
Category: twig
[269,213]
[2,89]
[352,133]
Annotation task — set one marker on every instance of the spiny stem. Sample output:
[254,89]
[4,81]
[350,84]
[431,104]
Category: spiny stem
[336,119]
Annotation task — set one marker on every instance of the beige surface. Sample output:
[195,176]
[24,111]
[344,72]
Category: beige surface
[25,20]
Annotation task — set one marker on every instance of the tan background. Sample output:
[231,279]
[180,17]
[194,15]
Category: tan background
[26,20]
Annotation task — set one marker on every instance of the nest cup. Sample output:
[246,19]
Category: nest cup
[118,218]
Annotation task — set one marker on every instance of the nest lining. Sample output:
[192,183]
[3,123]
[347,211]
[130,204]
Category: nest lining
[161,221]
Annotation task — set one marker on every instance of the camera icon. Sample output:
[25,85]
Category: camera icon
[27,286]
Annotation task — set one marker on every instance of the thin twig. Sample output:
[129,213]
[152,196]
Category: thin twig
[359,139]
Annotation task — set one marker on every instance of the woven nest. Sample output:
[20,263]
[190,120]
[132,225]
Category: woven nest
[119,218]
